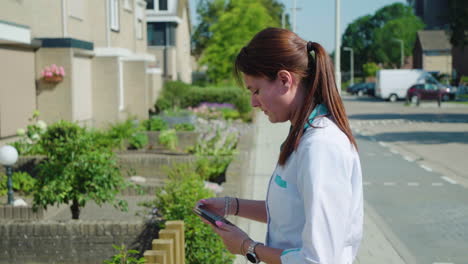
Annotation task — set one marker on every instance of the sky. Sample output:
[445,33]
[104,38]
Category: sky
[316,19]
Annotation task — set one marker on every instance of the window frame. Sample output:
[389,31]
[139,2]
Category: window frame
[114,15]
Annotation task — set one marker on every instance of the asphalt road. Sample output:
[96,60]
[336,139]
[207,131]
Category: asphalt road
[422,210]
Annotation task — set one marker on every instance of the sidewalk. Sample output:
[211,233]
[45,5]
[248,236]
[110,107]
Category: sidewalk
[375,247]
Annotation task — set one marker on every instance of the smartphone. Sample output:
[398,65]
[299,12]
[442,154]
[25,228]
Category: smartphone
[210,216]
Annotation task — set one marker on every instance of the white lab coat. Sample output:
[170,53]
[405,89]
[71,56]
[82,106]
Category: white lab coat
[315,201]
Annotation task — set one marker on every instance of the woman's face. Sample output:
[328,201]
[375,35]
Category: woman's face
[275,98]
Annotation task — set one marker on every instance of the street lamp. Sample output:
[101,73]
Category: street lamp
[402,54]
[337,46]
[8,157]
[352,63]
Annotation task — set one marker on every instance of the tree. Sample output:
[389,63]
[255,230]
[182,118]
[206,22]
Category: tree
[458,19]
[370,69]
[361,34]
[388,49]
[209,12]
[76,170]
[230,33]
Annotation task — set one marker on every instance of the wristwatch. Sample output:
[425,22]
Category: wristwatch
[251,256]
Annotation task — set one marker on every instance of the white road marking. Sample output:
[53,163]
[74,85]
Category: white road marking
[425,167]
[389,184]
[366,183]
[371,154]
[408,159]
[413,183]
[437,184]
[442,263]
[394,151]
[382,144]
[449,180]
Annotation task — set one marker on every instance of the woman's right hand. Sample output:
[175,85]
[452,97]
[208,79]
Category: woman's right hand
[215,205]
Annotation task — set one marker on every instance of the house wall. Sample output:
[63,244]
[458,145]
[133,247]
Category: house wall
[106,90]
[134,76]
[442,63]
[183,61]
[17,89]
[54,101]
[82,106]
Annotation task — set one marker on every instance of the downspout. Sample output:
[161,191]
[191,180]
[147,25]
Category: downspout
[107,23]
[64,19]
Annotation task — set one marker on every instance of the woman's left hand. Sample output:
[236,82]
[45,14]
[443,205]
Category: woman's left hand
[232,236]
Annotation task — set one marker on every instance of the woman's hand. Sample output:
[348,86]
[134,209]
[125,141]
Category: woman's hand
[232,236]
[215,205]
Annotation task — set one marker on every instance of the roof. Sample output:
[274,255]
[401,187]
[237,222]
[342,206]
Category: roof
[434,40]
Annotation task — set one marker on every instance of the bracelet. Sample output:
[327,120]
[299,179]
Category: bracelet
[242,246]
[237,208]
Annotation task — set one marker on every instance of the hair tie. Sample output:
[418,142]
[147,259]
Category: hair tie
[310,46]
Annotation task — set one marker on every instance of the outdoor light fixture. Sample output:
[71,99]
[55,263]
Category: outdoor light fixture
[8,157]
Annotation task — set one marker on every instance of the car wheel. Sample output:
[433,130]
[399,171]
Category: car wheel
[445,97]
[393,98]
[415,99]
[360,93]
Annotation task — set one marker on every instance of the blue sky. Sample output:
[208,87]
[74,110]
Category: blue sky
[316,19]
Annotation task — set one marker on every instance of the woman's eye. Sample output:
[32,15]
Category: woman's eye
[256,92]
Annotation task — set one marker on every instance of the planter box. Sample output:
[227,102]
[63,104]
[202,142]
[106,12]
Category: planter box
[185,138]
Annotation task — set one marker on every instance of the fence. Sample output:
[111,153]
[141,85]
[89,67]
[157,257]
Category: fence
[169,248]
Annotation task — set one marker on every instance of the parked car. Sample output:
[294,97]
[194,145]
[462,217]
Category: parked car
[427,91]
[362,88]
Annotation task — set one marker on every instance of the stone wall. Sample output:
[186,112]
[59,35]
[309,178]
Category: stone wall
[71,242]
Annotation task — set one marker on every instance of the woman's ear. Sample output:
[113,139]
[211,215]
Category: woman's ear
[286,79]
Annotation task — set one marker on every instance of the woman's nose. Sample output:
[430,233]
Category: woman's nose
[254,101]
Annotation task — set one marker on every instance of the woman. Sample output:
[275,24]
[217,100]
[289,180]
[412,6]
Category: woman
[314,205]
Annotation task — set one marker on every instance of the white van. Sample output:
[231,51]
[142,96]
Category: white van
[392,84]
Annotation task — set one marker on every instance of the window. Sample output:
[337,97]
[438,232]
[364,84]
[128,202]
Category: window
[114,15]
[163,5]
[161,33]
[149,4]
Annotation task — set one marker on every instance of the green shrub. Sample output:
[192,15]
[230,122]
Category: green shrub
[230,114]
[212,168]
[119,132]
[125,256]
[155,124]
[176,200]
[184,127]
[168,138]
[138,140]
[22,183]
[162,104]
[76,170]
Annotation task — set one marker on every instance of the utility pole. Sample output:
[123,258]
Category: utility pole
[351,64]
[283,20]
[294,9]
[337,46]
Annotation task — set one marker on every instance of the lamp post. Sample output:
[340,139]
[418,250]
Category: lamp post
[402,54]
[337,46]
[294,9]
[8,157]
[352,63]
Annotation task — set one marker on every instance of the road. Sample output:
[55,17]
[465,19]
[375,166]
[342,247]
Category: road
[415,173]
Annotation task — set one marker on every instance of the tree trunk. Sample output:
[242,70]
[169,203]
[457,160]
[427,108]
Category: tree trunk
[75,210]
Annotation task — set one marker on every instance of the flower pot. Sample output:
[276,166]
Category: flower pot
[53,79]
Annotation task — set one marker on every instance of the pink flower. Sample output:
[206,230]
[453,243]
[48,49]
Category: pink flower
[48,74]
[62,71]
[43,73]
[54,67]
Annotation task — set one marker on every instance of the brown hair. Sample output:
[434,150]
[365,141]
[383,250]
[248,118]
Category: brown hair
[275,49]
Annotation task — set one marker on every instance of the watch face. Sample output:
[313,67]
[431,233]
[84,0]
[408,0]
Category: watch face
[251,258]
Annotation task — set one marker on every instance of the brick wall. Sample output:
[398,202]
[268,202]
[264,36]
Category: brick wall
[70,242]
